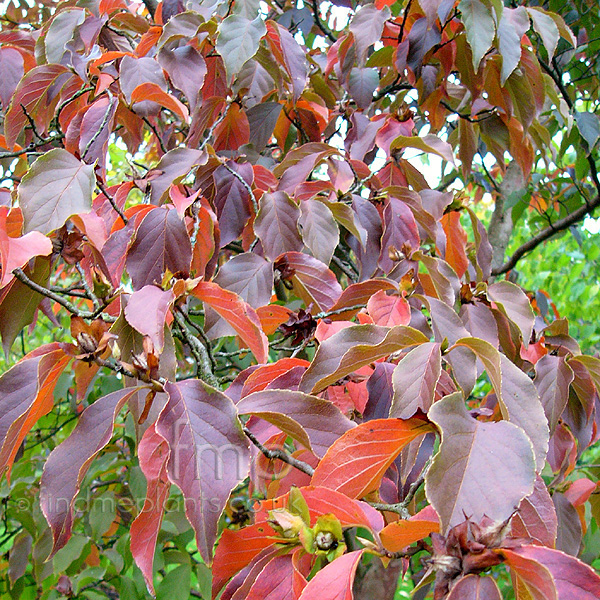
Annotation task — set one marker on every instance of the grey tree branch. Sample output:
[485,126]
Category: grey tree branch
[279,455]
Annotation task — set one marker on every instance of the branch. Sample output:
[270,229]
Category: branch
[322,27]
[32,147]
[199,352]
[401,508]
[542,236]
[570,219]
[278,454]
[113,202]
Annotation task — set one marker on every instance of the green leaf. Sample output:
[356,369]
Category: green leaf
[176,584]
[238,41]
[56,186]
[429,143]
[479,26]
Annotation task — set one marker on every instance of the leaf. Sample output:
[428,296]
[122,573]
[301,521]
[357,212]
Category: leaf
[33,92]
[273,581]
[400,230]
[479,26]
[68,463]
[513,25]
[61,32]
[236,549]
[152,92]
[429,143]
[56,186]
[147,310]
[480,468]
[209,453]
[415,379]
[367,27]
[276,225]
[400,534]
[514,303]
[319,230]
[544,568]
[473,587]
[334,581]
[161,244]
[13,69]
[445,282]
[353,348]
[251,278]
[545,27]
[290,55]
[186,68]
[312,421]
[27,394]
[233,131]
[589,127]
[238,41]
[356,463]
[362,84]
[536,516]
[388,311]
[232,199]
[516,393]
[16,252]
[172,168]
[312,281]
[456,240]
[262,118]
[553,377]
[240,315]
[357,294]
[19,303]
[153,454]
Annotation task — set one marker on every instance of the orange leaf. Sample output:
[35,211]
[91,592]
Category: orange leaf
[357,461]
[400,534]
[152,92]
[240,315]
[259,379]
[456,239]
[272,316]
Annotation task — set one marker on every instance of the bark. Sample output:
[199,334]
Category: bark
[501,225]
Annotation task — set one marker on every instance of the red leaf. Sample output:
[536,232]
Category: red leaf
[456,240]
[274,582]
[233,131]
[334,582]
[241,316]
[356,462]
[26,393]
[17,252]
[543,569]
[147,310]
[388,310]
[359,293]
[68,463]
[473,587]
[202,429]
[153,454]
[261,377]
[236,549]
[272,316]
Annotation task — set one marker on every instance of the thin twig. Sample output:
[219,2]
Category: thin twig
[155,132]
[278,454]
[113,202]
[31,148]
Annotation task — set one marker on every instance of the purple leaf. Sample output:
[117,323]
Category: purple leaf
[161,243]
[209,453]
[480,468]
[69,462]
[314,422]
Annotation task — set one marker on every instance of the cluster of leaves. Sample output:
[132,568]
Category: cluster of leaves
[281,319]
